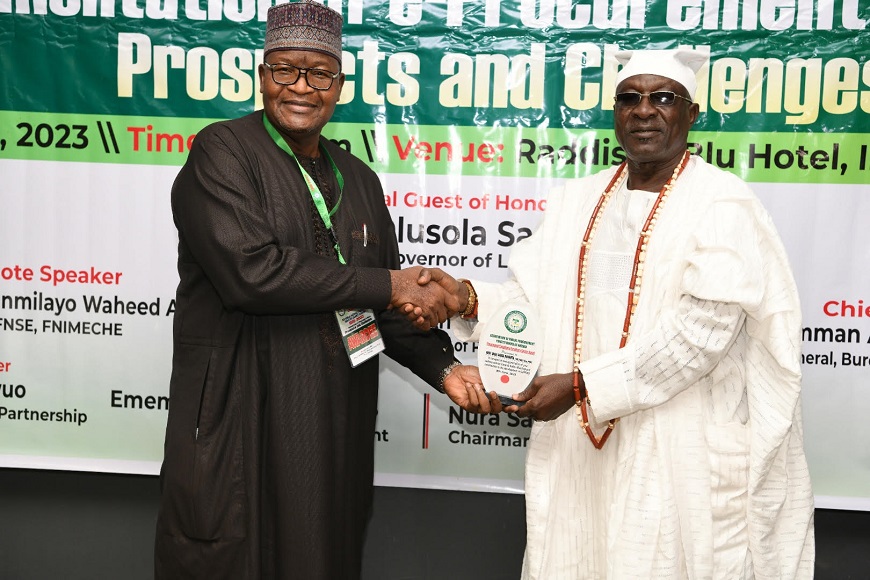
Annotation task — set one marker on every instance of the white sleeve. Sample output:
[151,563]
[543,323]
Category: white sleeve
[722,278]
[524,261]
[489,297]
[654,368]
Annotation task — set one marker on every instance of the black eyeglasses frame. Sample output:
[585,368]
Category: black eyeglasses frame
[300,72]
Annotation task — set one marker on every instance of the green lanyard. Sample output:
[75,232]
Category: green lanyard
[316,196]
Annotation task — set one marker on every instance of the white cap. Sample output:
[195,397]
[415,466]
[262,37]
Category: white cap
[678,64]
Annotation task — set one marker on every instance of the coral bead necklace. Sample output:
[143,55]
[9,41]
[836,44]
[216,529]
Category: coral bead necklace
[581,398]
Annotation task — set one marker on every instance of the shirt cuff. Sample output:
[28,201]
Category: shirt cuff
[607,386]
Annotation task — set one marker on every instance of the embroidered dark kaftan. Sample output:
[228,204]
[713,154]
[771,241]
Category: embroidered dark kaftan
[269,445]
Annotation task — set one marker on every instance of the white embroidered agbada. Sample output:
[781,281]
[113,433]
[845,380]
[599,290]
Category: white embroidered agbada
[704,476]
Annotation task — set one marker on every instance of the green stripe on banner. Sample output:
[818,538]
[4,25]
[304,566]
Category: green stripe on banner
[97,138]
[832,158]
[835,158]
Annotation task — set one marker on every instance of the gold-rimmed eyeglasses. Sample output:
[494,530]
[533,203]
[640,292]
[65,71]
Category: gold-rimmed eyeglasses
[656,99]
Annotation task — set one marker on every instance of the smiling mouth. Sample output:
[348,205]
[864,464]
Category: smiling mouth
[298,105]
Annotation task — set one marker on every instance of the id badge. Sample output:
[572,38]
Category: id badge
[360,334]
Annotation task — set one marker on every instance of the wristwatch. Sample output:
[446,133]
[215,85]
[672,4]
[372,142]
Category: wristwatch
[446,372]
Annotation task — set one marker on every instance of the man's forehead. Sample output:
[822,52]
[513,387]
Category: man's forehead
[300,56]
[650,82]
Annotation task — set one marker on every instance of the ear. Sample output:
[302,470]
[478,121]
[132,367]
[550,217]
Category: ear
[261,70]
[694,111]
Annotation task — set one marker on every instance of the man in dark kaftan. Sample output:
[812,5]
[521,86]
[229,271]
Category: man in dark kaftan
[270,440]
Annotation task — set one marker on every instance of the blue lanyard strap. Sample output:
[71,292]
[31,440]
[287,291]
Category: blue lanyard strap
[316,196]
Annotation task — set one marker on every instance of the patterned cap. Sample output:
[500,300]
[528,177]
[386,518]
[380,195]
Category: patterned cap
[304,25]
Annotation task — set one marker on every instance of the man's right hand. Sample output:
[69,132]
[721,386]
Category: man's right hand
[436,276]
[427,296]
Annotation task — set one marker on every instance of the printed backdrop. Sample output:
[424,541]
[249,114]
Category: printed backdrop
[470,110]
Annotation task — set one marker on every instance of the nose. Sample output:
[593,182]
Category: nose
[298,86]
[645,108]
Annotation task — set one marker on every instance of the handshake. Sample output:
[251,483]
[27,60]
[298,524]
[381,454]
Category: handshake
[427,296]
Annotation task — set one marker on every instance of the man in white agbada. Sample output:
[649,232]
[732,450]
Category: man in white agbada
[704,474]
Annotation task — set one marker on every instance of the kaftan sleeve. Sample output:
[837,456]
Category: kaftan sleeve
[650,371]
[490,295]
[425,353]
[721,278]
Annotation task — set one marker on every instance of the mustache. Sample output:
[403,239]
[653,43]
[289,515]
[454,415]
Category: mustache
[298,101]
[643,126]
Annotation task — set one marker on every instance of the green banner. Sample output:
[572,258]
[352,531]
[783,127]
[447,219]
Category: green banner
[783,66]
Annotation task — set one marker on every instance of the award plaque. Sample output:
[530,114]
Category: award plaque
[509,352]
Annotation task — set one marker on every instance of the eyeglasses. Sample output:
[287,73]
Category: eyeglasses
[317,78]
[656,99]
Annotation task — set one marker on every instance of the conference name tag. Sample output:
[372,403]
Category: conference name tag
[510,351]
[360,334]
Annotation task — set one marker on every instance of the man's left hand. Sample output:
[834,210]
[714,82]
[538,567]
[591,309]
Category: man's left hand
[465,388]
[546,398]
